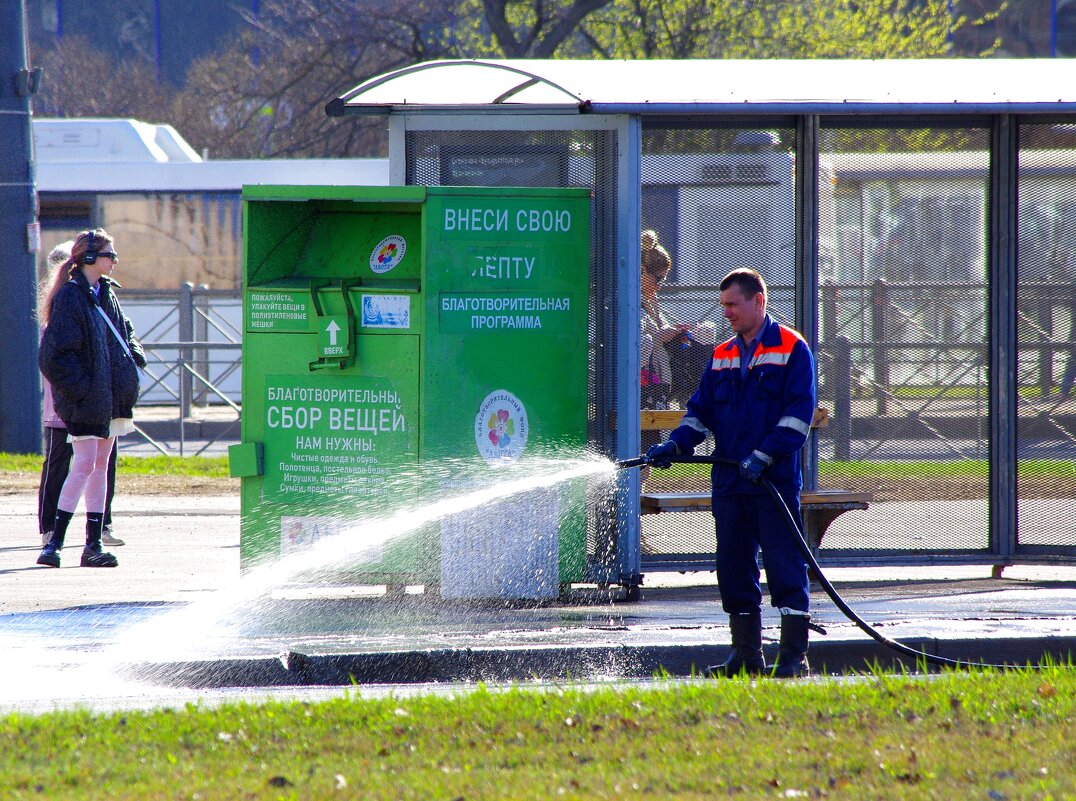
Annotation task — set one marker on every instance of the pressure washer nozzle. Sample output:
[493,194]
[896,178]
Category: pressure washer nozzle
[628,464]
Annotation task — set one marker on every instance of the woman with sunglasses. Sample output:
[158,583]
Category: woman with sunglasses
[90,356]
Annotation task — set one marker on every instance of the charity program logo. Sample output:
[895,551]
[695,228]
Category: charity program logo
[501,427]
[387,253]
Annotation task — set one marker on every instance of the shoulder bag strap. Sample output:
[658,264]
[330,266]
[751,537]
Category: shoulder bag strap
[126,347]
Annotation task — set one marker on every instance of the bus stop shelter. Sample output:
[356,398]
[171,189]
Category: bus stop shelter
[915,220]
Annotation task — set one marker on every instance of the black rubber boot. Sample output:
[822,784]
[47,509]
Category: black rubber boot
[746,656]
[92,555]
[792,654]
[50,554]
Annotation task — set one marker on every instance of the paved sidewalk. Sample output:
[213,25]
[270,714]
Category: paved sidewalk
[176,549]
[176,613]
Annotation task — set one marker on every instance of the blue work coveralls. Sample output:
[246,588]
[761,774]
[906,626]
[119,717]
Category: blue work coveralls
[766,410]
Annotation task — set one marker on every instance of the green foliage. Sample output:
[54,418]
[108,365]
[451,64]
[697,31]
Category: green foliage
[263,94]
[956,735]
[647,29]
[679,29]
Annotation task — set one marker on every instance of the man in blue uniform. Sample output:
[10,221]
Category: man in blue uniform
[758,399]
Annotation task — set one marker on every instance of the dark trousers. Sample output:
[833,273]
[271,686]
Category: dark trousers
[54,470]
[746,523]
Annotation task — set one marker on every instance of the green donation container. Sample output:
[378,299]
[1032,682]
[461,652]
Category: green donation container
[407,345]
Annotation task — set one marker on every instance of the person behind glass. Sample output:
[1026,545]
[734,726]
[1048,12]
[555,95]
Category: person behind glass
[90,356]
[656,330]
[758,399]
[57,460]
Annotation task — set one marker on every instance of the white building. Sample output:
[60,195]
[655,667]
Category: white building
[176,216]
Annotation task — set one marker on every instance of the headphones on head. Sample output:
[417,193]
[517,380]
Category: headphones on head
[90,256]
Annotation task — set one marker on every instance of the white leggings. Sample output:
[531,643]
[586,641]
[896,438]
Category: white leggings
[89,471]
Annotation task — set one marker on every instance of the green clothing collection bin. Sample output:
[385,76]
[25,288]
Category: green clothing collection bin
[403,345]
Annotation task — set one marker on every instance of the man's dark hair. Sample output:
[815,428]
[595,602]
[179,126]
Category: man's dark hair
[749,281]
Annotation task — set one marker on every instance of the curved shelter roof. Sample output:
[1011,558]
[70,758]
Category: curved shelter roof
[921,86]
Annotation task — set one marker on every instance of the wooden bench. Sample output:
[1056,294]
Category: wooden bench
[668,419]
[819,507]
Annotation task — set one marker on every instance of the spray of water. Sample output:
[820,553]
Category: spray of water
[183,631]
[91,674]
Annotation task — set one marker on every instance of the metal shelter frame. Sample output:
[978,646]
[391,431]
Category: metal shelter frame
[619,97]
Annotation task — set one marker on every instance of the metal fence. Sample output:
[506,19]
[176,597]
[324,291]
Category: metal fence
[191,392]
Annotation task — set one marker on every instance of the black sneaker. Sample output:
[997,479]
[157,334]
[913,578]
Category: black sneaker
[98,558]
[49,558]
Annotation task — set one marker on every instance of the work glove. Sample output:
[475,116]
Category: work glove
[751,468]
[661,455]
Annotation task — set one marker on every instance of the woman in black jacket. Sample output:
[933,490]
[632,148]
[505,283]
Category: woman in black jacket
[90,356]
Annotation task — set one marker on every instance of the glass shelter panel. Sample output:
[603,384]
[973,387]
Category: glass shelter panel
[902,359]
[713,199]
[1046,331]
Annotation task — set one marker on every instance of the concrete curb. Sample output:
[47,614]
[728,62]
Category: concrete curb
[298,669]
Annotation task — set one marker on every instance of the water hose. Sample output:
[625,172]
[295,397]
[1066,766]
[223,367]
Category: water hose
[812,563]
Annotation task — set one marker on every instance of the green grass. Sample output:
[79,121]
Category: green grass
[962,392]
[195,466]
[207,466]
[217,467]
[957,468]
[979,735]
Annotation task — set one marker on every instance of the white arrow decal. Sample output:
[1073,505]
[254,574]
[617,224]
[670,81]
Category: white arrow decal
[332,328]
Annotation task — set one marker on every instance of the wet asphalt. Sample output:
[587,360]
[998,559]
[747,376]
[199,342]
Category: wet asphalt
[176,615]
